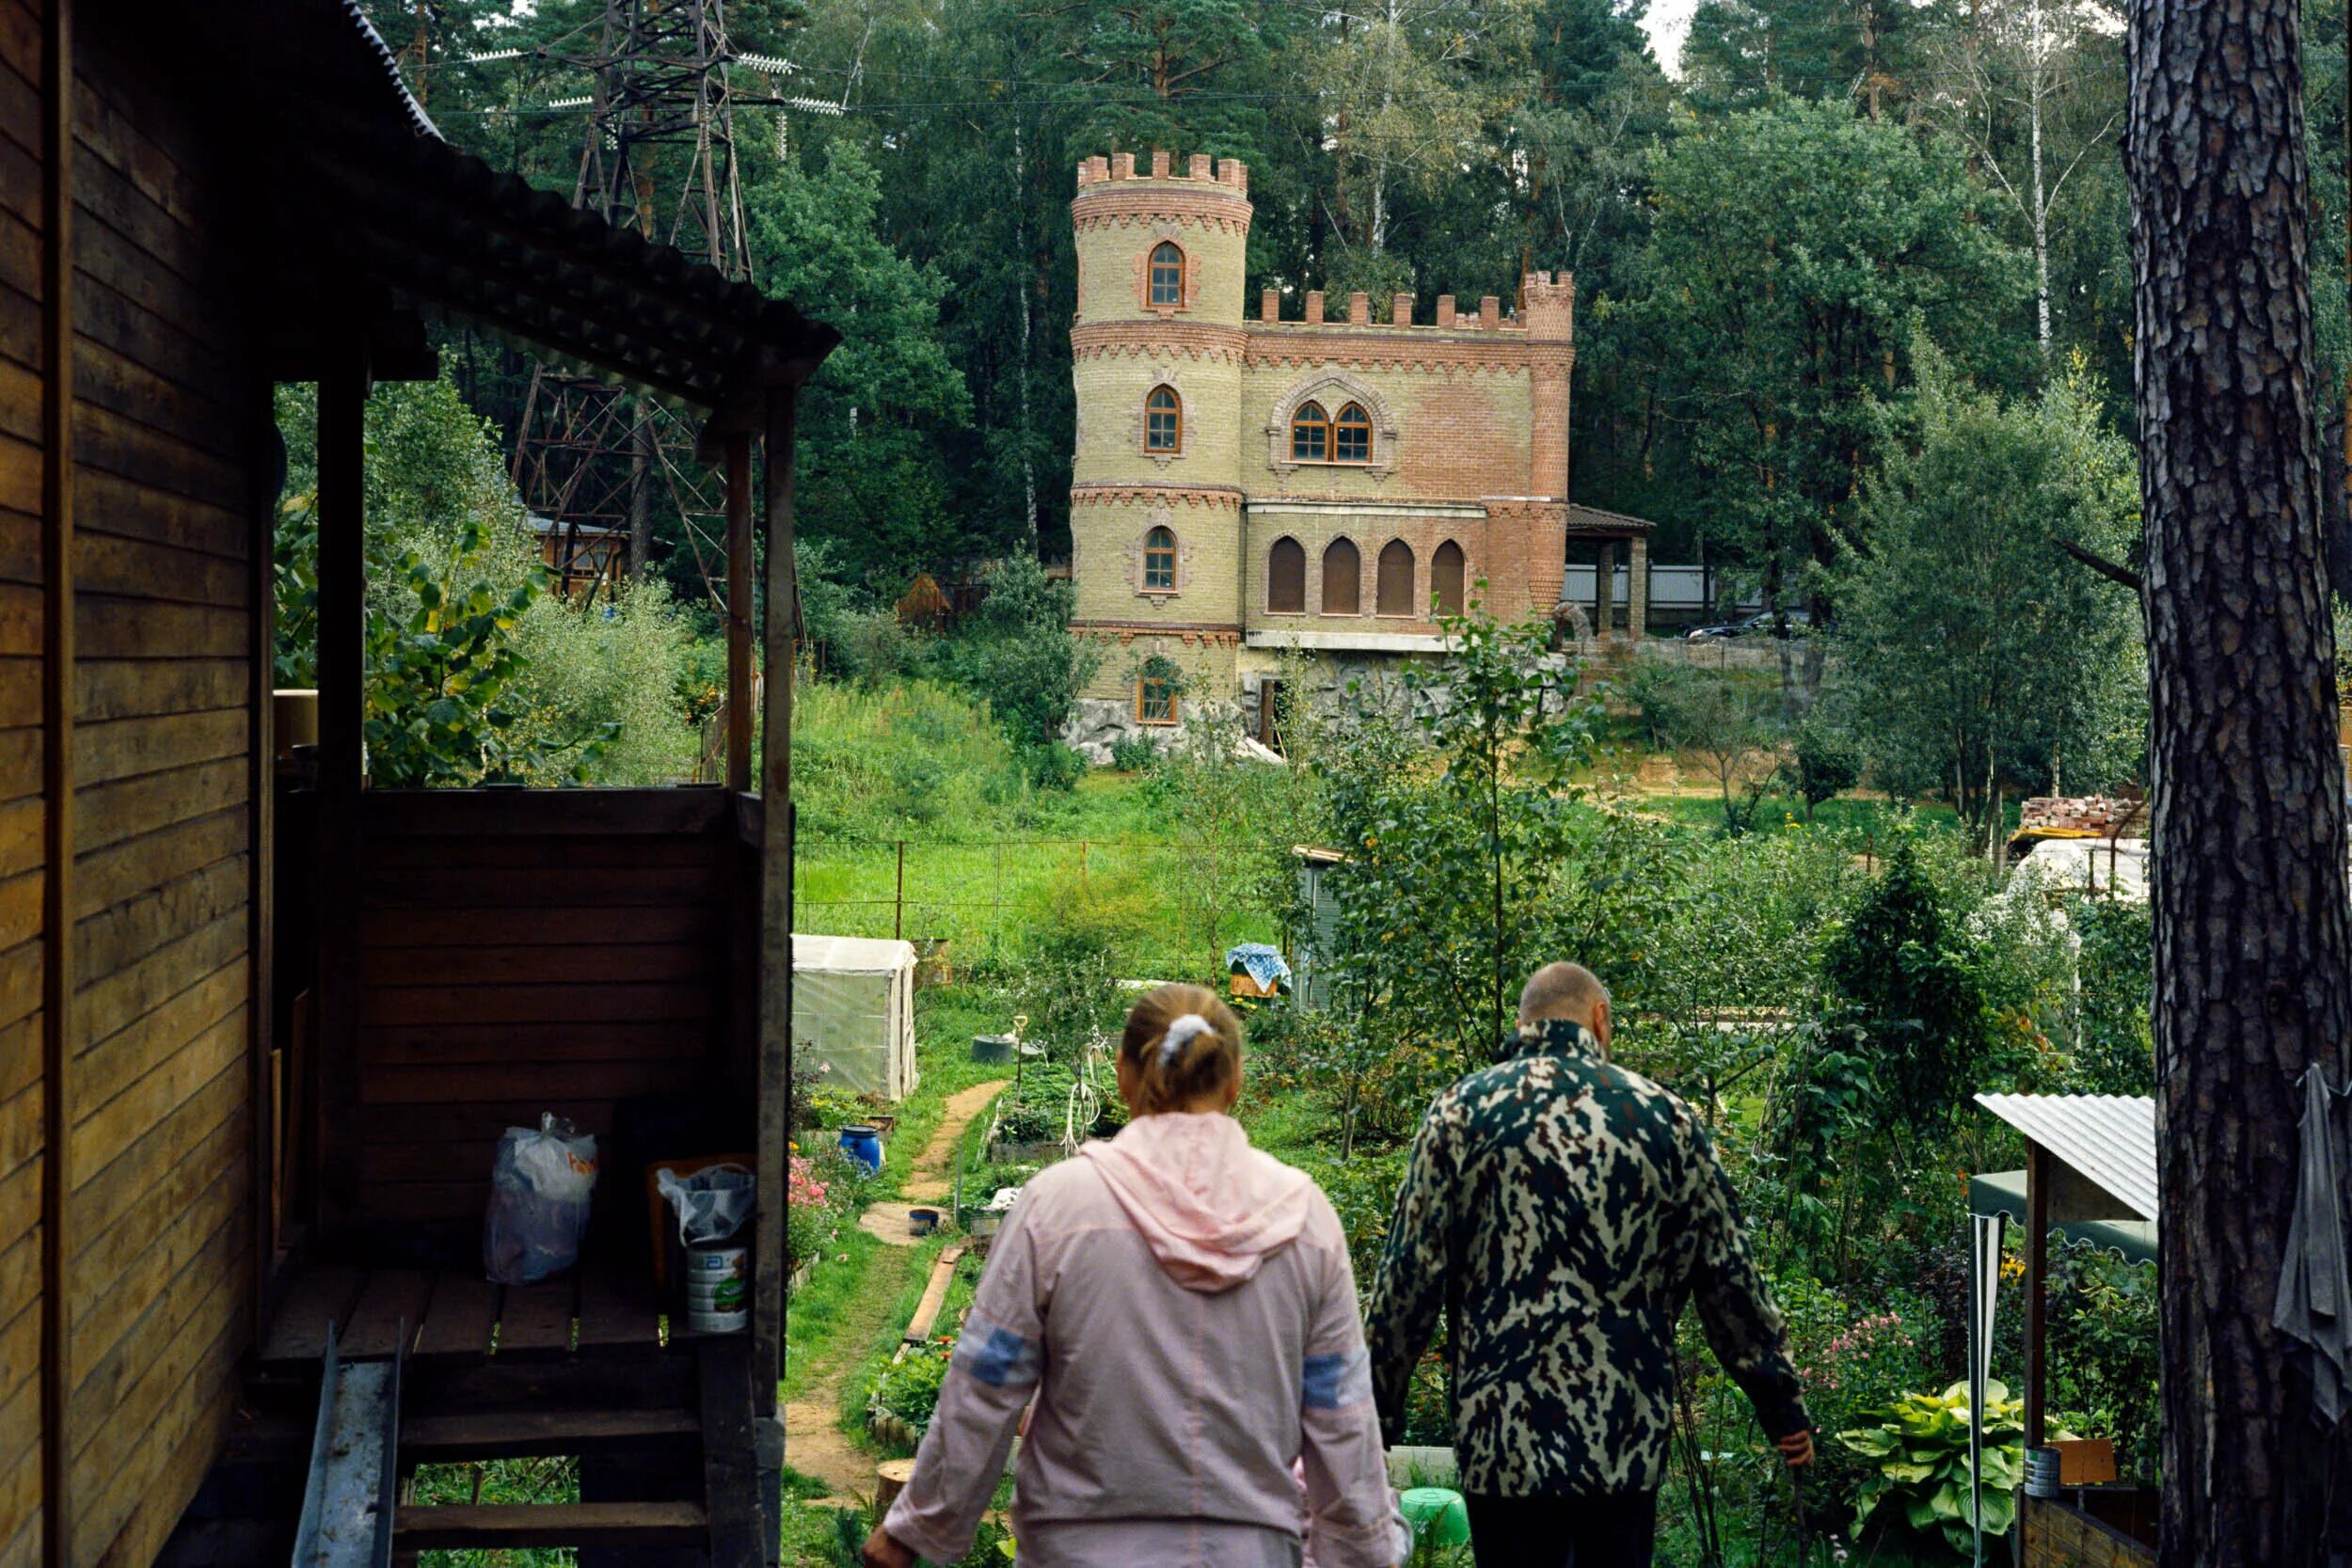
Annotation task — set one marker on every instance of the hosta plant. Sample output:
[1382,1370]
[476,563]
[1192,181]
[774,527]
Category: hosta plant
[1920,1444]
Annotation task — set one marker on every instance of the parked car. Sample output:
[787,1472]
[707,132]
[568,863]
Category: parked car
[1755,626]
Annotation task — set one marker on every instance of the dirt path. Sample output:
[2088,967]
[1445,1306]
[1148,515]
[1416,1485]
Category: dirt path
[933,1177]
[814,1443]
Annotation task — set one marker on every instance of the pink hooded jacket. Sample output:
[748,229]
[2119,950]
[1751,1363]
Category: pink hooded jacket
[1182,1310]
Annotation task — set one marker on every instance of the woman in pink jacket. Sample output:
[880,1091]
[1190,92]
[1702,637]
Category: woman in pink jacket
[1181,1309]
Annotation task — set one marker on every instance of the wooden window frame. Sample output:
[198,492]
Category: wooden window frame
[1319,422]
[1151,275]
[1149,549]
[1176,407]
[1294,543]
[1362,421]
[1143,701]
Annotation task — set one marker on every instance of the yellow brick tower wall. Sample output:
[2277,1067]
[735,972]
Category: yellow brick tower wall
[1122,347]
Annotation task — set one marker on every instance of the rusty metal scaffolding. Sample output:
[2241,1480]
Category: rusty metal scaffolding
[599,460]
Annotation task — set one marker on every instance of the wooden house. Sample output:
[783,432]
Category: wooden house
[256,1049]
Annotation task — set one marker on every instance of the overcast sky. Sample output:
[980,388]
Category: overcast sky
[1667,21]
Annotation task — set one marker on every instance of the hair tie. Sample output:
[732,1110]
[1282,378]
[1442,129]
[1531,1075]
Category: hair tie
[1181,1034]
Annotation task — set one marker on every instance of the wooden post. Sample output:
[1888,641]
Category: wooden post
[261,856]
[899,898]
[740,597]
[342,677]
[57,773]
[2037,1289]
[776,915]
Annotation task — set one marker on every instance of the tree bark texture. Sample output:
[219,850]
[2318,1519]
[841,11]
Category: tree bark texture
[2252,942]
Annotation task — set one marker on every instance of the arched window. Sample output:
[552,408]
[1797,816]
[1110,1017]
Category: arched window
[1168,274]
[1286,577]
[1393,594]
[1159,560]
[1343,579]
[1445,578]
[1351,436]
[1156,700]
[1310,435]
[1163,420]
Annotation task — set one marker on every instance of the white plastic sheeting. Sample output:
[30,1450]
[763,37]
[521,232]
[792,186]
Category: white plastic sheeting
[853,1010]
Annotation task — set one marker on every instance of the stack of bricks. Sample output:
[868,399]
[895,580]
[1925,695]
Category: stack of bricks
[2091,816]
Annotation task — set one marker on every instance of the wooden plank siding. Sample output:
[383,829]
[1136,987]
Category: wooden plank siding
[160,1234]
[556,951]
[24,819]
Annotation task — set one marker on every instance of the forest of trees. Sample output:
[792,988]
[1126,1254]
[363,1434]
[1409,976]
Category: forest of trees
[1763,236]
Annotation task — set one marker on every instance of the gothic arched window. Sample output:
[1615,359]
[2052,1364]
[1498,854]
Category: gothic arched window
[1343,579]
[1445,578]
[1168,274]
[1159,560]
[1351,436]
[1310,435]
[1286,577]
[1394,591]
[1163,420]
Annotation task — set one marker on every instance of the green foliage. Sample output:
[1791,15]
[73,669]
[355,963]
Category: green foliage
[1797,256]
[474,673]
[897,761]
[614,667]
[1016,653]
[441,658]
[1920,1444]
[2114,1050]
[1976,651]
[909,1389]
[870,480]
[1906,995]
[1823,762]
[2104,1353]
[1729,724]
[1472,858]
[1133,753]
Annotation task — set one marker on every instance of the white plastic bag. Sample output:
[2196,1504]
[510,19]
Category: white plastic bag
[712,1204]
[539,1192]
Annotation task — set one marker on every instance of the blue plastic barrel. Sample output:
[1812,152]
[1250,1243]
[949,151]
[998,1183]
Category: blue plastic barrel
[863,1144]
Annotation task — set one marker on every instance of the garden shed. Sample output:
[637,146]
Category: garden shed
[260,1035]
[2090,1176]
[853,1013]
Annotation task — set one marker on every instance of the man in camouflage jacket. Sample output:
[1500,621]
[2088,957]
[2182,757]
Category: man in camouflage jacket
[1559,1210]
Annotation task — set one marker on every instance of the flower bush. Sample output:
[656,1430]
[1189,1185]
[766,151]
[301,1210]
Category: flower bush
[822,1193]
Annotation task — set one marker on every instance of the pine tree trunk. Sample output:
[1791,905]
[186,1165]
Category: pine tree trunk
[2251,934]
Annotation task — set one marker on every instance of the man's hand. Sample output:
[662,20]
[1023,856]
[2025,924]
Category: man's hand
[1797,1448]
[883,1552]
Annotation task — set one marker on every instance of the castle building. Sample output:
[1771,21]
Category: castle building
[1246,491]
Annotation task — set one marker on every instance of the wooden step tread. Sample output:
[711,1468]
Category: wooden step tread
[419,1527]
[533,1434]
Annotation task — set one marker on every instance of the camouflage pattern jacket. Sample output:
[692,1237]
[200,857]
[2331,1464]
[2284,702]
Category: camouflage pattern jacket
[1559,1210]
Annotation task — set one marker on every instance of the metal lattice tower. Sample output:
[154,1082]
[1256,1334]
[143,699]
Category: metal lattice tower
[596,461]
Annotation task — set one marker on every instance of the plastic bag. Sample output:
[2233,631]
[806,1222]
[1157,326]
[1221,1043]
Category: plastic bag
[712,1204]
[539,1192]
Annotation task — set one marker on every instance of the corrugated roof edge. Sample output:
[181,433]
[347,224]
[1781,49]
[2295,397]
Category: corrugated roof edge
[418,120]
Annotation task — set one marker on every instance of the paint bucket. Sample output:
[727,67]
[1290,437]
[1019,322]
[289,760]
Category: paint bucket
[718,1287]
[863,1144]
[922,1222]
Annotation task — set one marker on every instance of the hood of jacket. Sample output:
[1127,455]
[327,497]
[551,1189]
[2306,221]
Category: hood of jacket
[1212,1209]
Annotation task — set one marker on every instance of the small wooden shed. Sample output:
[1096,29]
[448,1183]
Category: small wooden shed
[257,1047]
[2089,1176]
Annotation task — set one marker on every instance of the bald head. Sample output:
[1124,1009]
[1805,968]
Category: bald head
[1565,990]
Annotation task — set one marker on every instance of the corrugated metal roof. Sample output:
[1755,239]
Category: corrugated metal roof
[2109,1140]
